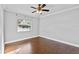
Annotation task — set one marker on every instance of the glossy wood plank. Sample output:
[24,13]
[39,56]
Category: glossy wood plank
[40,45]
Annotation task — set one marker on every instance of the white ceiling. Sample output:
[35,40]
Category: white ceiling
[25,8]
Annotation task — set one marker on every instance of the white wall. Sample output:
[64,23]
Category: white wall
[63,26]
[1,18]
[11,33]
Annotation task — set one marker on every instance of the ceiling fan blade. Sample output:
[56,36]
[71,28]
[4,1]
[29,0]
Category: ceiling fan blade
[33,11]
[45,10]
[43,5]
[33,7]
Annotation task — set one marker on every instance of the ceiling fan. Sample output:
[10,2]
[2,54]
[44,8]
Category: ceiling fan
[40,8]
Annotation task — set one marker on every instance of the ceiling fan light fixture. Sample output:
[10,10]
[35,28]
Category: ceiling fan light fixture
[40,8]
[39,12]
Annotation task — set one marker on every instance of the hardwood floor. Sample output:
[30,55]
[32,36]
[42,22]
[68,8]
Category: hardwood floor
[40,45]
